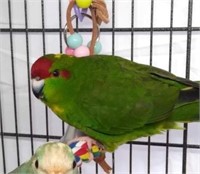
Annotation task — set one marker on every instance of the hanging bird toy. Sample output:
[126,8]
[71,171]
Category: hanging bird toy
[74,42]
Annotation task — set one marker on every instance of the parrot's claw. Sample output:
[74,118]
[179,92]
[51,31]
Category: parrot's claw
[90,141]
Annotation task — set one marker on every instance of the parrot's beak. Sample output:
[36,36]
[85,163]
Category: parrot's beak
[37,88]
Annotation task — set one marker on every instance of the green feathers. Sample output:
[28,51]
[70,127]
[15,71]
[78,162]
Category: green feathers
[115,100]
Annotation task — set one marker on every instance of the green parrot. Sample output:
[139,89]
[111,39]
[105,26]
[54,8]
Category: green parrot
[50,158]
[111,99]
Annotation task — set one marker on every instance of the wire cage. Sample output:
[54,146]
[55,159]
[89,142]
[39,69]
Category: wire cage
[161,33]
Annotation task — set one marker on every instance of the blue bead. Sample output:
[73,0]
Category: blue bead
[75,40]
[97,47]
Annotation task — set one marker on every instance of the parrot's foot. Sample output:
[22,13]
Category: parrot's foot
[92,147]
[90,141]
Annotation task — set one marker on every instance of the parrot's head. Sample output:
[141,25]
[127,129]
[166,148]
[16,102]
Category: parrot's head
[49,75]
[50,158]
[54,158]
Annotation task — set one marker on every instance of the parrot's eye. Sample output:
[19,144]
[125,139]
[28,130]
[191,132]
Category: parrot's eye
[36,164]
[74,164]
[55,73]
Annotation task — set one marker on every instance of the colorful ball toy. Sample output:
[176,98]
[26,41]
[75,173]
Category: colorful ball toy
[83,153]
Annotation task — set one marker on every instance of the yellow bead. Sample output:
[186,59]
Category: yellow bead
[83,3]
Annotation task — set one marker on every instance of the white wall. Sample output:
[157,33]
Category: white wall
[141,55]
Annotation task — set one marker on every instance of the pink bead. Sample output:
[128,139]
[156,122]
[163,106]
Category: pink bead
[69,51]
[81,51]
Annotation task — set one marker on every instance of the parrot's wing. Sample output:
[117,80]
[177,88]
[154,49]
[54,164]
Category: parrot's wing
[166,75]
[189,90]
[159,73]
[124,96]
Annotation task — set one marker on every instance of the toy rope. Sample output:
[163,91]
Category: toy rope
[99,13]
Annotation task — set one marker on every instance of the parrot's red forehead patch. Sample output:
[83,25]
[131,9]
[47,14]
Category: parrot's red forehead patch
[40,68]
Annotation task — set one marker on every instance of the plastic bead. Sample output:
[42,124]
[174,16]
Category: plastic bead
[97,47]
[83,3]
[82,51]
[75,40]
[69,51]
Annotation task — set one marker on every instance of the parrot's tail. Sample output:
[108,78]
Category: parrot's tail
[186,113]
[187,107]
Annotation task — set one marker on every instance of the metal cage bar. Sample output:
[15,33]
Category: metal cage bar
[132,55]
[113,52]
[28,79]
[169,68]
[188,53]
[2,137]
[13,83]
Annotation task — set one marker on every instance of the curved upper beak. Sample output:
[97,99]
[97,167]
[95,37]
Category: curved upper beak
[37,88]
